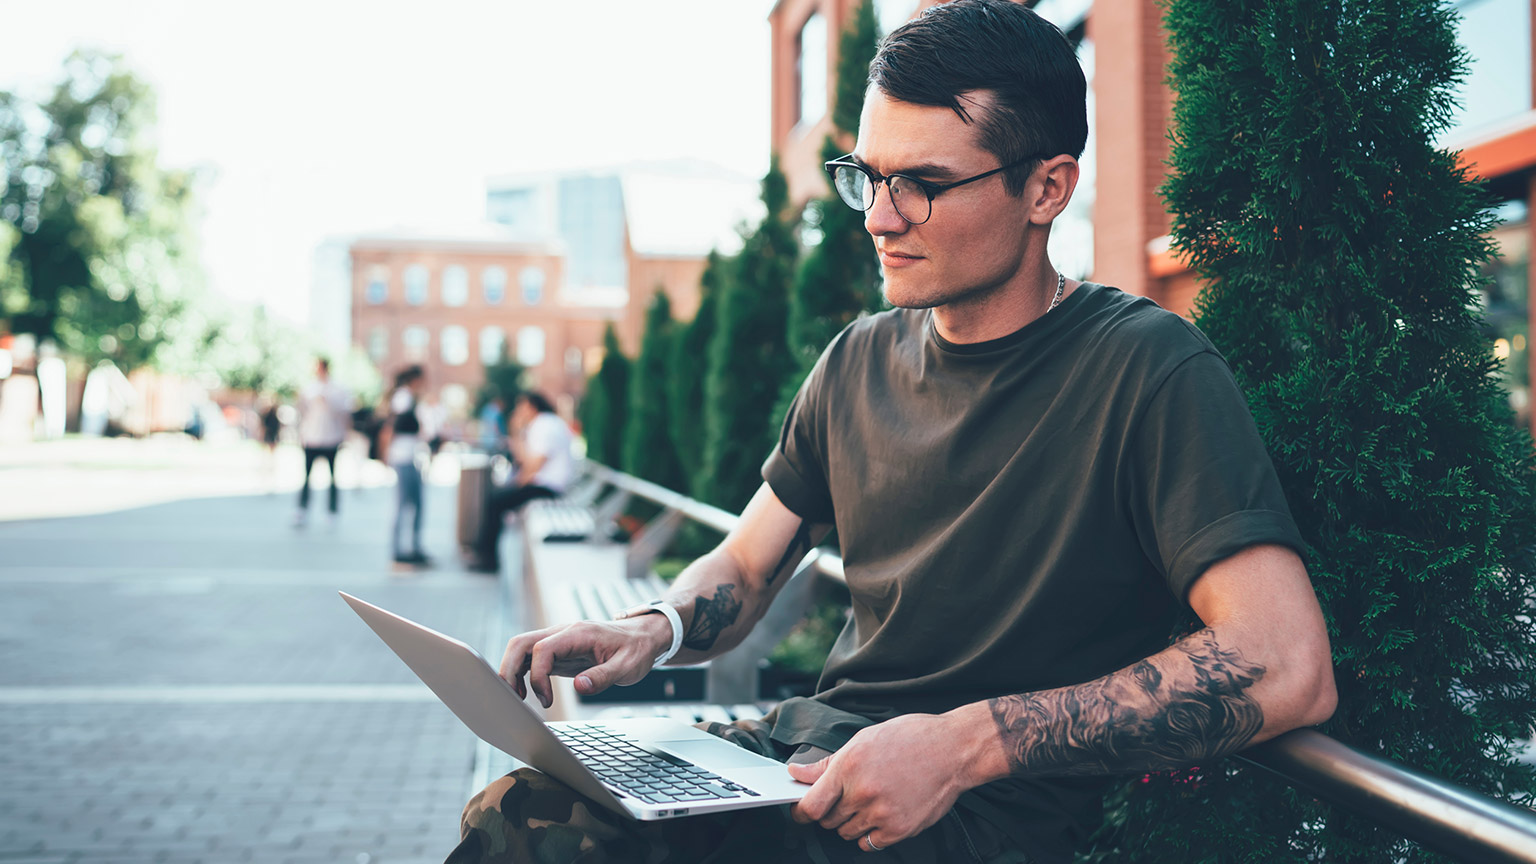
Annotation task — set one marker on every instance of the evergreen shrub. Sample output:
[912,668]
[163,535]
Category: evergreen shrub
[1339,251]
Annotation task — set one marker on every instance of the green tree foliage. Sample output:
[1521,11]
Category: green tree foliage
[855,50]
[839,278]
[1340,251]
[503,379]
[102,256]
[685,396]
[605,410]
[749,357]
[649,452]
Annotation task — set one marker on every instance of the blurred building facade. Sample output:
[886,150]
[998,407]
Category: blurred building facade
[559,258]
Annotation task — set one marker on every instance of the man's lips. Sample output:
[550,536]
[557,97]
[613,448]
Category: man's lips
[896,259]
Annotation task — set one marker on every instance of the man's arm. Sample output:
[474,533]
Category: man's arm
[719,598]
[1259,668]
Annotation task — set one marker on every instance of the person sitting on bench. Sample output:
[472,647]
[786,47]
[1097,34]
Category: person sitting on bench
[541,445]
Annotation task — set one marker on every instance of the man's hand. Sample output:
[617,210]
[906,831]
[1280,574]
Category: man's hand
[889,783]
[598,654]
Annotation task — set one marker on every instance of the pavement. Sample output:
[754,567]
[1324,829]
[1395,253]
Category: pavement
[179,681]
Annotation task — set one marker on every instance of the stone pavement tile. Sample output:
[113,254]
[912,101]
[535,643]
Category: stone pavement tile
[366,804]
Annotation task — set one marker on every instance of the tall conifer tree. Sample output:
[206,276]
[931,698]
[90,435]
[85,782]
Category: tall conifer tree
[689,366]
[839,277]
[749,358]
[1340,252]
[605,410]
[648,450]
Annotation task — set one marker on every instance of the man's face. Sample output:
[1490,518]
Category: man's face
[523,412]
[973,242]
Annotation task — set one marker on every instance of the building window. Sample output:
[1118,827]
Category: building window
[812,70]
[378,286]
[532,279]
[493,344]
[573,360]
[530,347]
[415,340]
[493,281]
[455,345]
[455,285]
[416,285]
[378,344]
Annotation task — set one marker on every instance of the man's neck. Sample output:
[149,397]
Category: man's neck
[997,313]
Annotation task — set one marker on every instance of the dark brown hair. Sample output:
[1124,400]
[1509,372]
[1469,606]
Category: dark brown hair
[1039,106]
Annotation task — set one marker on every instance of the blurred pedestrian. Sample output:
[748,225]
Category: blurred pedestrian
[325,413]
[541,445]
[492,431]
[271,429]
[402,438]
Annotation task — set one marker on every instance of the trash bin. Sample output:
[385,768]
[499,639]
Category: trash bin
[474,485]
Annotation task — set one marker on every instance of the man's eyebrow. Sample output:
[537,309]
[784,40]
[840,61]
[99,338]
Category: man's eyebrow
[924,169]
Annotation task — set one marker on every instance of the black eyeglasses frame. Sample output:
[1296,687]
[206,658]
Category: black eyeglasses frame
[930,188]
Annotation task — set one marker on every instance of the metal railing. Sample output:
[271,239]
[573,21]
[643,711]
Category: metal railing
[1439,815]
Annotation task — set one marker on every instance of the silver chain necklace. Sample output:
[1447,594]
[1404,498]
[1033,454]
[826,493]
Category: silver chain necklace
[1061,286]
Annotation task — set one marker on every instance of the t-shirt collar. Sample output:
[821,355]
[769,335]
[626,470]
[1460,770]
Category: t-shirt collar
[1043,324]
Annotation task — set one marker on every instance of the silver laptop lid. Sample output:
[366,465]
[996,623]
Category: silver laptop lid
[481,698]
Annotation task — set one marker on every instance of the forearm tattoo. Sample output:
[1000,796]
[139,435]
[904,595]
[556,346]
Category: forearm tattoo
[711,615]
[798,546]
[1140,718]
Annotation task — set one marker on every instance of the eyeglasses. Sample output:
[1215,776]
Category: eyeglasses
[913,198]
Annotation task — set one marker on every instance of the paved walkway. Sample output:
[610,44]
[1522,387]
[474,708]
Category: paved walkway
[179,682]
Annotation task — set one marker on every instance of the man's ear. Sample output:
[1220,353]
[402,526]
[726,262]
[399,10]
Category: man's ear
[1051,187]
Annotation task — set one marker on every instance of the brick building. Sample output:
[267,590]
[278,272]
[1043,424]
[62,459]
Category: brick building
[559,259]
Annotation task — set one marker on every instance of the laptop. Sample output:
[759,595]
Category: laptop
[645,768]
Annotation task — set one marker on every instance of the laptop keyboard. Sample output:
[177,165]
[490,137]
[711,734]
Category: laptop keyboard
[650,775]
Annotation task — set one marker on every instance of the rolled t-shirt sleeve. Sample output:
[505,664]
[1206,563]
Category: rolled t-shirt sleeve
[796,470]
[1203,487]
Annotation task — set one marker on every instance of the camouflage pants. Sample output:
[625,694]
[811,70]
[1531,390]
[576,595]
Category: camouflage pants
[528,816]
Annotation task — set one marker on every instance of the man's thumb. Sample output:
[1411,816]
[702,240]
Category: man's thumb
[811,772]
[592,681]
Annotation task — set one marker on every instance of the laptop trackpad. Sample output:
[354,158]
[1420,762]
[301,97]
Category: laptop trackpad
[719,754]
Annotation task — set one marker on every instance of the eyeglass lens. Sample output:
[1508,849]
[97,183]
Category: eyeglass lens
[857,190]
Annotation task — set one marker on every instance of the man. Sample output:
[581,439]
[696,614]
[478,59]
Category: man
[1034,481]
[541,447]
[325,409]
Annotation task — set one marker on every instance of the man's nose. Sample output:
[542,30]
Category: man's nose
[881,218]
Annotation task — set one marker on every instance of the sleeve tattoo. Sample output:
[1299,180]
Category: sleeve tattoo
[711,615]
[1139,718]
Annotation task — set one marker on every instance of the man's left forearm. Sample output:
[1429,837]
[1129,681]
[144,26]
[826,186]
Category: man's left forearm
[1191,702]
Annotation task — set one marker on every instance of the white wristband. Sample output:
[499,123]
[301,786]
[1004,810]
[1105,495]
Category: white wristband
[673,618]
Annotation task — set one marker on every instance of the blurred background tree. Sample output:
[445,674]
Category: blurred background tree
[749,355]
[648,449]
[685,398]
[605,410]
[1340,252]
[101,248]
[839,276]
[503,380]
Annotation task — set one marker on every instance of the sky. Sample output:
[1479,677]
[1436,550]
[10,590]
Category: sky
[323,119]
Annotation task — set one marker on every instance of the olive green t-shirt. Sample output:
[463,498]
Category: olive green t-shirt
[1017,515]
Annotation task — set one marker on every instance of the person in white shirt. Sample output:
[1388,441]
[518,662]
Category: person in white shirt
[541,443]
[404,433]
[325,415]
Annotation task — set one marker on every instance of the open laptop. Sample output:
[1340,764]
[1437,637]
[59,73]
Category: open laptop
[646,768]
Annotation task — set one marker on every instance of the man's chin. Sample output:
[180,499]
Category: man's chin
[907,297]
